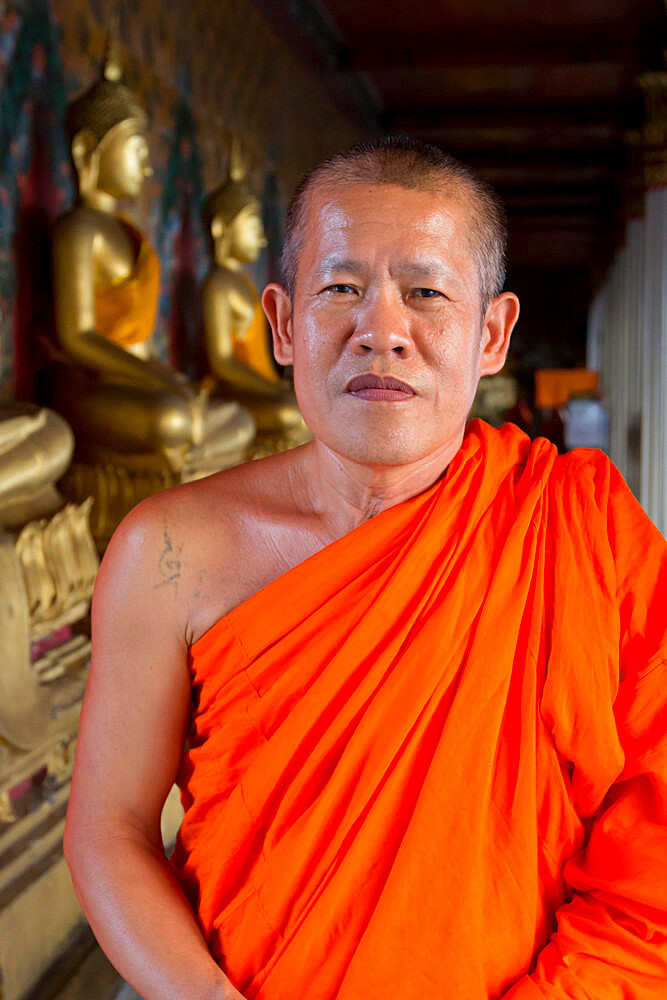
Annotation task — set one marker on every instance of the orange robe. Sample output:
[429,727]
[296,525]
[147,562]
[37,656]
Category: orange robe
[426,762]
[125,309]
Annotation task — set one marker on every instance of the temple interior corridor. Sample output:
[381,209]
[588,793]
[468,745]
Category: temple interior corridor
[562,107]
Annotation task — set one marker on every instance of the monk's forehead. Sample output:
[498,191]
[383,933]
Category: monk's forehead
[337,213]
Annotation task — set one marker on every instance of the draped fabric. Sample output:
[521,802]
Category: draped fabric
[125,310]
[425,762]
[251,347]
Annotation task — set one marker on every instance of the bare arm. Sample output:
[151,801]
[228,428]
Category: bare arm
[130,743]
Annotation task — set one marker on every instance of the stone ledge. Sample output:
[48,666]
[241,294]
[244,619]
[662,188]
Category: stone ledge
[82,973]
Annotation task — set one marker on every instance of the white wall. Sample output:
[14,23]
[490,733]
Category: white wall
[627,344]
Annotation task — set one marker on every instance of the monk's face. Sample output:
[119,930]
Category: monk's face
[385,332]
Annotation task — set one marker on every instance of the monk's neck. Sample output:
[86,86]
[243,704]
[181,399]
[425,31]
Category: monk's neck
[347,493]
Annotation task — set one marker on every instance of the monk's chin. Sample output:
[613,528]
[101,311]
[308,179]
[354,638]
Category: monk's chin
[388,450]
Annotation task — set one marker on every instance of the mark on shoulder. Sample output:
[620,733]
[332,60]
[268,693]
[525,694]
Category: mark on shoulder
[169,564]
[201,577]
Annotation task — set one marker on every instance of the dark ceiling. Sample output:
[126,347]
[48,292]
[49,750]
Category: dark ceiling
[535,95]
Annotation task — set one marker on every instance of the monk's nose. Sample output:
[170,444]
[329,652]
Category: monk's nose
[381,327]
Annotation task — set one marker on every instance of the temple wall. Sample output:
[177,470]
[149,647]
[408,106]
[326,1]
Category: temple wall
[201,71]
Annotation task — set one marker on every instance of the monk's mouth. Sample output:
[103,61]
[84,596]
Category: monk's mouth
[379,387]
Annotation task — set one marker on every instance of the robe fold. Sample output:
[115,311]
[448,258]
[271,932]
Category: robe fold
[125,309]
[429,762]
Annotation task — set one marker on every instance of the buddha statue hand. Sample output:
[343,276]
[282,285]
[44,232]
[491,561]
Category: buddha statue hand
[199,408]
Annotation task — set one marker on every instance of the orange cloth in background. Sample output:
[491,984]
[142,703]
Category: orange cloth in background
[253,347]
[125,310]
[415,748]
[555,386]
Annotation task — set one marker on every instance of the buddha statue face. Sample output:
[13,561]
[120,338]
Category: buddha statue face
[107,133]
[124,162]
[116,166]
[242,239]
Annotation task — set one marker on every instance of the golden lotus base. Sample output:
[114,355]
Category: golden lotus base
[272,444]
[47,571]
[118,483]
[114,490]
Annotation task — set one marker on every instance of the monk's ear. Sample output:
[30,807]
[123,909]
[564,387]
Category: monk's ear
[278,308]
[502,314]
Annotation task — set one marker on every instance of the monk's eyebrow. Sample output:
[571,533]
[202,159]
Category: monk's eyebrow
[332,262]
[423,268]
[430,269]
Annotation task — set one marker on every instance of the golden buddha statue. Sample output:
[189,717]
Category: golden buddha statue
[235,329]
[128,410]
[48,566]
[35,449]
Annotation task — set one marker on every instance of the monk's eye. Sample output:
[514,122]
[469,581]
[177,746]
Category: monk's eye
[340,289]
[426,293]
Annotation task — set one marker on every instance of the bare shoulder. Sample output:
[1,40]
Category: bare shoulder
[188,554]
[141,568]
[156,556]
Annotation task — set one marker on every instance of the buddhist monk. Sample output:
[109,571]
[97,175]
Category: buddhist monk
[409,676]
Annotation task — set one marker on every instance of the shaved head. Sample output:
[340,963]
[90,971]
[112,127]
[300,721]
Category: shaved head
[412,165]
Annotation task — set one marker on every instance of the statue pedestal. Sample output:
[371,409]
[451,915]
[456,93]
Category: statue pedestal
[47,571]
[118,483]
[38,910]
[266,444]
[115,491]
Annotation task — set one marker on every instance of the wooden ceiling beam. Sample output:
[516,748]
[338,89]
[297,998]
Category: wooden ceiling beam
[538,117]
[550,200]
[565,136]
[435,104]
[507,175]
[469,50]
[560,223]
[528,159]
[537,249]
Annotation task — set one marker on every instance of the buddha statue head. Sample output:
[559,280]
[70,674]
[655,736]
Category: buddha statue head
[232,219]
[107,134]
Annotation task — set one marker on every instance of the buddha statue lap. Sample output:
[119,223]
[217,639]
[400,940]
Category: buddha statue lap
[139,424]
[235,329]
[48,565]
[35,449]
